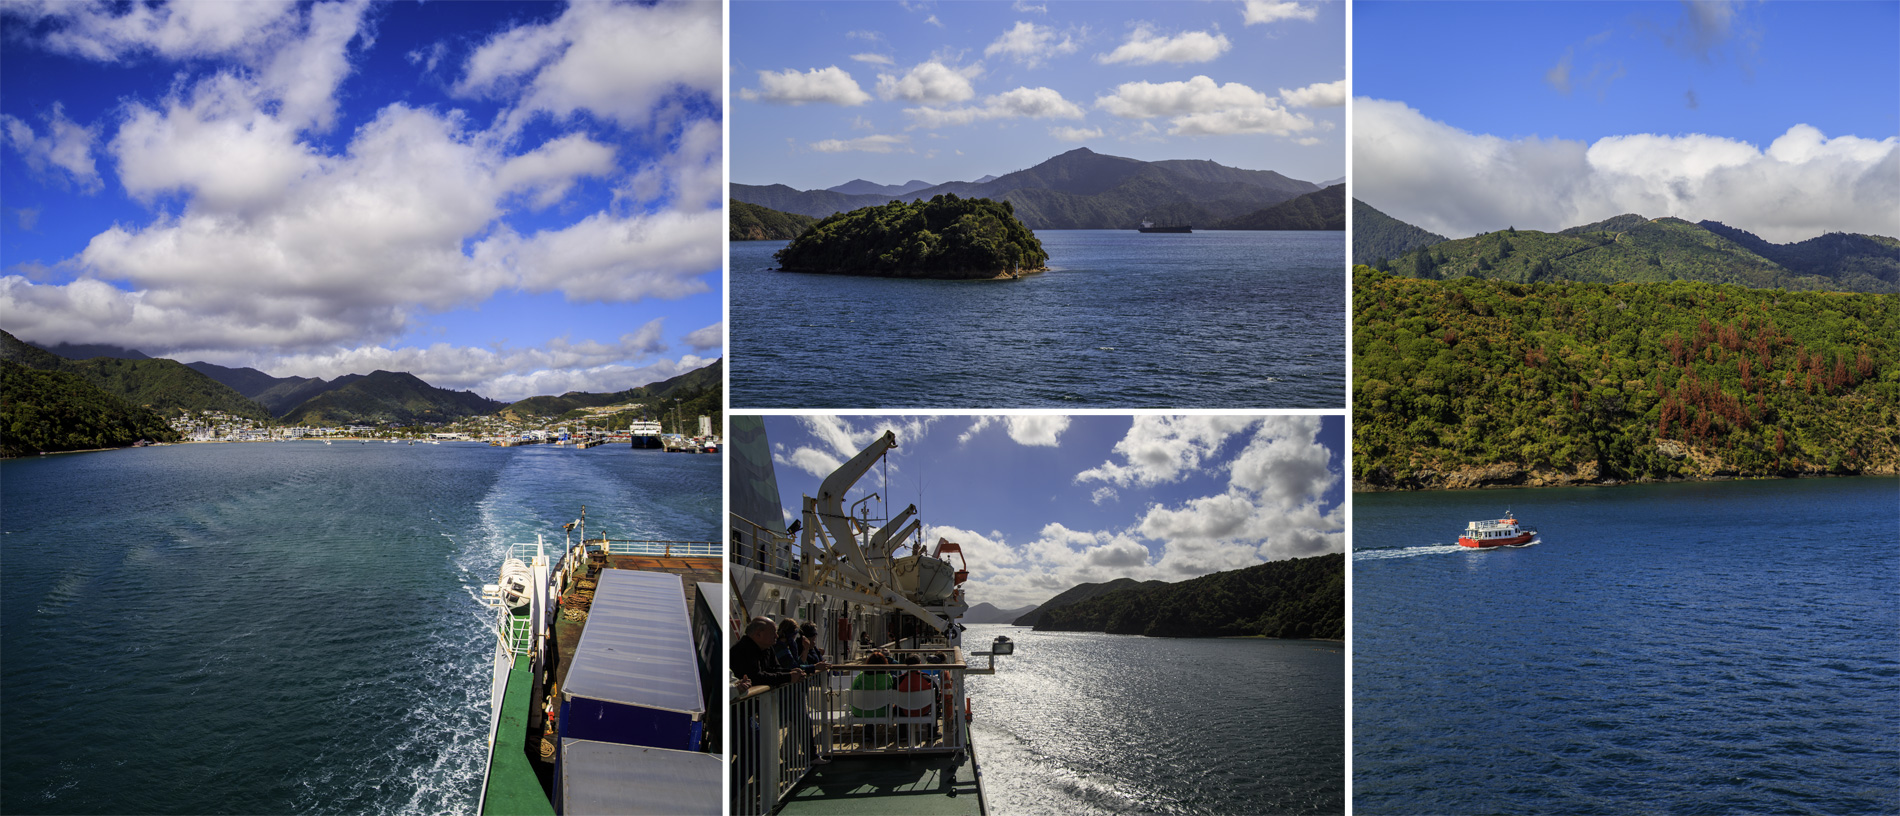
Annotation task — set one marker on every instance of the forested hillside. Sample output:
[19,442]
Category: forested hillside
[1377,236]
[1634,248]
[1295,598]
[1471,382]
[1321,210]
[59,411]
[162,385]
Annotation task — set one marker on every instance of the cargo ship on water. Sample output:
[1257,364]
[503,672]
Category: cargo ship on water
[1149,226]
[862,735]
[605,678]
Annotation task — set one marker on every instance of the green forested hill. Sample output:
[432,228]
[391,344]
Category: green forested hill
[1079,593]
[1321,210]
[700,392]
[389,397]
[59,411]
[163,385]
[1377,236]
[1295,598]
[1469,382]
[751,222]
[1634,248]
[945,237]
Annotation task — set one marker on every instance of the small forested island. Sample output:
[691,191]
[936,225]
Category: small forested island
[1473,383]
[944,238]
[1294,598]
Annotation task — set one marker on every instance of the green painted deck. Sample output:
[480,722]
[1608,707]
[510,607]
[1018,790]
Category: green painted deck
[512,788]
[924,785]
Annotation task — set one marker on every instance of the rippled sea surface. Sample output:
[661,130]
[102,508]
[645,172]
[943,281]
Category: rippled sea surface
[1683,649]
[288,627]
[1123,319]
[1090,723]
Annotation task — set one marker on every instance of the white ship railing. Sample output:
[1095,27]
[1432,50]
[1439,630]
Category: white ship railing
[681,549]
[758,547]
[874,710]
[773,737]
[777,730]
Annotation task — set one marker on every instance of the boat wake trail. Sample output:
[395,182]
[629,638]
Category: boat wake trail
[1381,553]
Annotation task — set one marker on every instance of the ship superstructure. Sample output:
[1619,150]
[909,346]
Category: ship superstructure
[874,590]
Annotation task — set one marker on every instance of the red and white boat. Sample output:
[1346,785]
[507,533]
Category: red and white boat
[1504,532]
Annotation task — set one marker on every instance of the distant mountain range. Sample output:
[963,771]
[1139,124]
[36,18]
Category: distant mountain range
[751,222]
[1080,189]
[1323,210]
[862,187]
[379,397]
[987,613]
[1632,248]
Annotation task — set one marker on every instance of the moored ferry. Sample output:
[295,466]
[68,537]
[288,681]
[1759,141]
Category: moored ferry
[1504,532]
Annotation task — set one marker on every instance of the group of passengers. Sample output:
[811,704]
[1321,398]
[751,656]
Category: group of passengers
[774,654]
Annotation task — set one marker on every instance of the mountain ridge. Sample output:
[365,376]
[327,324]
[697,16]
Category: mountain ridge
[1079,189]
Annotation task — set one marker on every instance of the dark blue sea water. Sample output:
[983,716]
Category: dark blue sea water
[1087,723]
[277,628]
[1123,319]
[1684,649]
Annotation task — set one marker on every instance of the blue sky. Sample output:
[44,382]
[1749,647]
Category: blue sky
[828,92]
[1041,503]
[513,198]
[1782,118]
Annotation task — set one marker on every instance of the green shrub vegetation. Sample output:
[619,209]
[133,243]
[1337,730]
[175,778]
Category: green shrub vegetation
[1294,598]
[945,237]
[48,411]
[1513,383]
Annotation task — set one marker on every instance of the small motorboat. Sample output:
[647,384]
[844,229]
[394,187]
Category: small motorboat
[1504,532]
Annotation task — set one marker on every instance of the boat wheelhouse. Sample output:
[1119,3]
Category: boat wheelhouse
[1504,532]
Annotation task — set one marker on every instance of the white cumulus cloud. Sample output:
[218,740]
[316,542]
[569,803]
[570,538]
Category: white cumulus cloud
[67,146]
[617,61]
[830,85]
[1146,47]
[1457,183]
[1268,11]
[1021,103]
[1317,95]
[1200,106]
[930,83]
[1031,44]
[875,143]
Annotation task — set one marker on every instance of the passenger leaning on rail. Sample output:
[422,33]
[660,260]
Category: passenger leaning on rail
[752,659]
